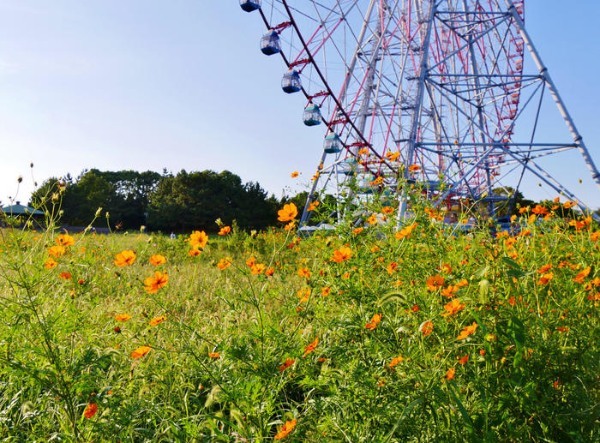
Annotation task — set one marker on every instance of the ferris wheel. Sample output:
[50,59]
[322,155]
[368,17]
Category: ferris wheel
[447,95]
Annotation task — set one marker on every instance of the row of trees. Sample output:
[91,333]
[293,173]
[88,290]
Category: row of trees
[164,201]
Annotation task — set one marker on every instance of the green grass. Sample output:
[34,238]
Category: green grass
[529,372]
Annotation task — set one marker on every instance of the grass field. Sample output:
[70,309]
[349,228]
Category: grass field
[366,334]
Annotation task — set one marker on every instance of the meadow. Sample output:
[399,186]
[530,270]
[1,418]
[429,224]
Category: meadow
[366,333]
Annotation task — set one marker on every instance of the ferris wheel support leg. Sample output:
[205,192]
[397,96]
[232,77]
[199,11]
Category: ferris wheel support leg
[554,93]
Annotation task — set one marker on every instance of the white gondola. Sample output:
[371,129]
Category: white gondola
[291,82]
[332,144]
[312,115]
[250,5]
[270,43]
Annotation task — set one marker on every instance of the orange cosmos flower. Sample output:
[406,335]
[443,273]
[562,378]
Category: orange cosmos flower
[90,410]
[357,231]
[288,213]
[569,204]
[544,268]
[304,273]
[224,231]
[224,263]
[56,251]
[157,260]
[257,269]
[286,429]
[426,328]
[294,174]
[140,352]
[313,205]
[446,268]
[198,239]
[325,291]
[395,361]
[363,151]
[414,168]
[450,374]
[304,295]
[65,275]
[450,291]
[269,272]
[463,359]
[540,210]
[372,220]
[453,307]
[157,281]
[194,252]
[545,278]
[64,240]
[378,181]
[311,347]
[157,320]
[375,320]
[50,263]
[214,355]
[467,331]
[581,276]
[406,231]
[125,258]
[392,156]
[434,282]
[595,236]
[387,210]
[391,268]
[286,364]
[342,254]
[122,317]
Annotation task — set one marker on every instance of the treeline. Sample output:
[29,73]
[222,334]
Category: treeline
[165,202]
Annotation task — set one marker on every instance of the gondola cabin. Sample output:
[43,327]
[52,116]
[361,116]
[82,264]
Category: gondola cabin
[250,5]
[270,43]
[332,144]
[291,82]
[312,115]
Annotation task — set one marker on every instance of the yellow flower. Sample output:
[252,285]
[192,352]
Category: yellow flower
[125,258]
[286,429]
[157,281]
[313,205]
[375,320]
[198,239]
[64,240]
[434,282]
[304,273]
[157,320]
[224,231]
[392,156]
[406,231]
[426,328]
[224,263]
[56,251]
[453,307]
[140,352]
[395,361]
[467,331]
[157,260]
[288,213]
[342,254]
[50,263]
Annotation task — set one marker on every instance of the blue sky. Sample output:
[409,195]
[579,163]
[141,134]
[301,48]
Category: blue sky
[181,84]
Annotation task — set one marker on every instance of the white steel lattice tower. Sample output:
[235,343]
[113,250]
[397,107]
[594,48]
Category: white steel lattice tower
[448,95]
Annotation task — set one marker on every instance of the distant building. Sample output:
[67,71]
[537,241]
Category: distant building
[20,214]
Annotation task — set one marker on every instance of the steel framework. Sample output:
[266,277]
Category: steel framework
[448,95]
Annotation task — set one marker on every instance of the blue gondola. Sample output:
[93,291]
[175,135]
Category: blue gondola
[332,144]
[270,44]
[250,5]
[312,115]
[348,167]
[291,82]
